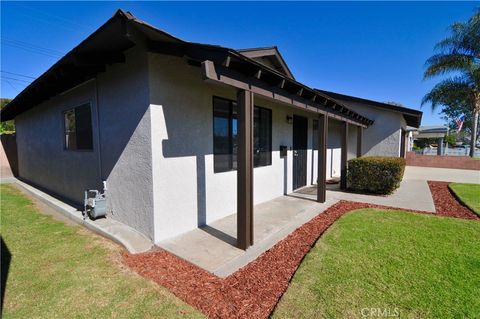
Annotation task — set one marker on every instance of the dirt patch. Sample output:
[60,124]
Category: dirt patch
[446,204]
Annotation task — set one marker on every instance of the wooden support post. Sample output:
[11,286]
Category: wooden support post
[245,170]
[322,157]
[359,140]
[343,162]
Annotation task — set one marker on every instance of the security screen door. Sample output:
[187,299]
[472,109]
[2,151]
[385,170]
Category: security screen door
[300,136]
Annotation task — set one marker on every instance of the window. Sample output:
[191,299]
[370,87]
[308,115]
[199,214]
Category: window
[225,135]
[78,128]
[262,136]
[315,135]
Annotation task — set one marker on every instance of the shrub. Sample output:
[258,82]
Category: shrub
[375,174]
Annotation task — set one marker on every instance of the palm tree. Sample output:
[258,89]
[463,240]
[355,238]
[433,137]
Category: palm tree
[459,55]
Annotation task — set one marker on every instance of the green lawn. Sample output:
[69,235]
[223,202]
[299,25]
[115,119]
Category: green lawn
[469,194]
[64,271]
[417,265]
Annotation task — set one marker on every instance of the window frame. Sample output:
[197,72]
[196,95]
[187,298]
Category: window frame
[65,148]
[231,104]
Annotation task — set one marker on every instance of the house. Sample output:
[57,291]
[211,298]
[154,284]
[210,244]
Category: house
[186,133]
[437,132]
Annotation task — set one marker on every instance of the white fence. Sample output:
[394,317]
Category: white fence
[448,151]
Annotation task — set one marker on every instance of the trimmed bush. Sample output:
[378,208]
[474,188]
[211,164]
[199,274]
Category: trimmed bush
[375,174]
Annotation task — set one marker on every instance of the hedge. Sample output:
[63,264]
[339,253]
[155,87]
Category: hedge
[375,174]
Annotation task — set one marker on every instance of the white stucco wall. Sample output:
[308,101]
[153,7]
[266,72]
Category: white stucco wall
[383,137]
[187,192]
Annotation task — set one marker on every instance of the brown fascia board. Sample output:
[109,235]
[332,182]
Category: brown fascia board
[23,100]
[239,55]
[267,51]
[413,117]
[12,109]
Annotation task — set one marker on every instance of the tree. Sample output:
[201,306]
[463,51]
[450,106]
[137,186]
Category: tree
[8,126]
[451,114]
[458,56]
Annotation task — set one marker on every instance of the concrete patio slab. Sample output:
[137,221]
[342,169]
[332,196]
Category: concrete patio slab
[120,233]
[212,247]
[441,174]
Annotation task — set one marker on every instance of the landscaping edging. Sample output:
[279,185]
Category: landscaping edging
[447,204]
[460,200]
[254,290]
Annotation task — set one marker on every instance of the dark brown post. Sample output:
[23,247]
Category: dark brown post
[359,140]
[245,170]
[322,157]
[343,162]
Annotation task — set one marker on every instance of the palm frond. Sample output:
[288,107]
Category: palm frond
[464,38]
[450,92]
[444,63]
[454,40]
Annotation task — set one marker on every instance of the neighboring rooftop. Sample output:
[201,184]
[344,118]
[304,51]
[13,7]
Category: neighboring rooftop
[412,117]
[433,129]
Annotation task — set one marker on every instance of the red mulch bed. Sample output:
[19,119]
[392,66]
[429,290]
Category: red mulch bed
[254,290]
[446,204]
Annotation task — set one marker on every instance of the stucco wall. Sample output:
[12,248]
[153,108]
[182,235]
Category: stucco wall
[42,159]
[383,137]
[121,147]
[187,192]
[125,135]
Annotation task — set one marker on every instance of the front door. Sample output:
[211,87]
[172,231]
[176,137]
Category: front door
[300,135]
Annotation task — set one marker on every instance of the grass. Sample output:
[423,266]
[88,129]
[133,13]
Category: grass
[414,265]
[64,271]
[468,194]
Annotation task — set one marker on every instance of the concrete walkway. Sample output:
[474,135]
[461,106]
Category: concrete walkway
[412,194]
[120,233]
[212,247]
[441,174]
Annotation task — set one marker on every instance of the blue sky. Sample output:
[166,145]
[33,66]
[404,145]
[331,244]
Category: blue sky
[374,50]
